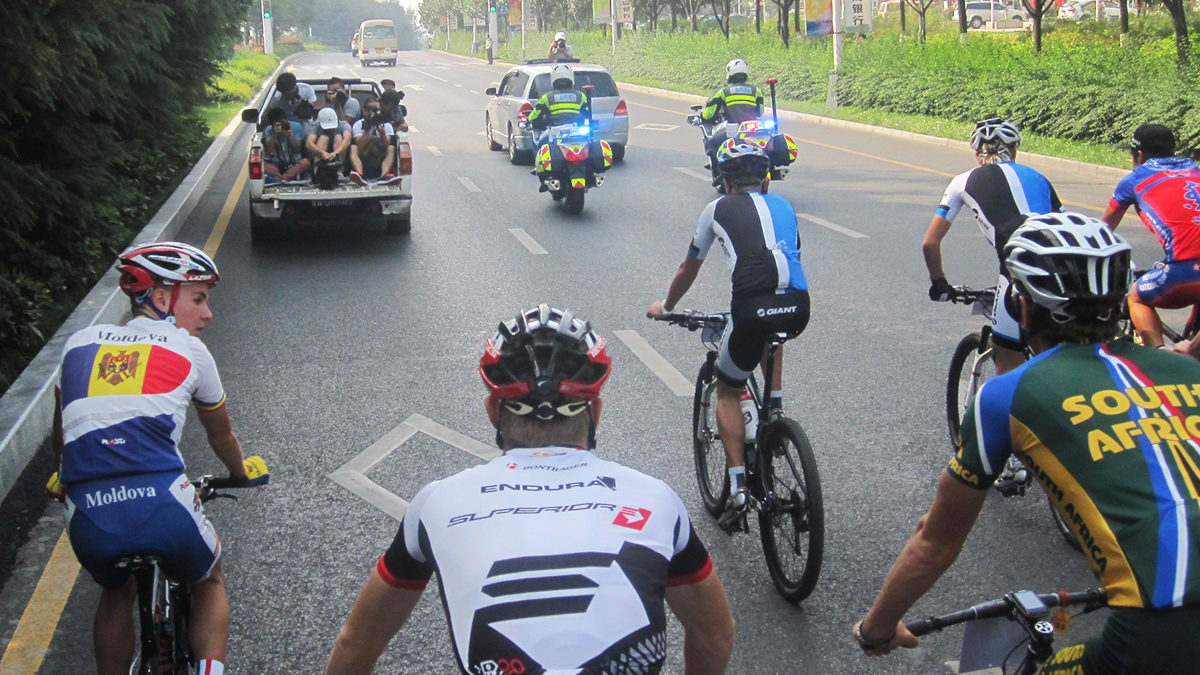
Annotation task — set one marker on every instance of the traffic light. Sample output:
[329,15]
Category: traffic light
[492,6]
[266,7]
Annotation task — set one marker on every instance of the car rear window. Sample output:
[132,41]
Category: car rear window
[602,81]
[376,32]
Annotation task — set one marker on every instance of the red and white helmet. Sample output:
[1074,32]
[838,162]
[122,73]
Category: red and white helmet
[167,262]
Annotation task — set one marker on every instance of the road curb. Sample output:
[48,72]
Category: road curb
[1067,165]
[27,408]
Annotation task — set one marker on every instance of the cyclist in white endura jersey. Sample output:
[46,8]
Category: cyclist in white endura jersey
[550,559]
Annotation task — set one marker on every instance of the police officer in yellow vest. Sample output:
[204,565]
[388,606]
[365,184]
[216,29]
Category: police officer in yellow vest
[563,104]
[736,102]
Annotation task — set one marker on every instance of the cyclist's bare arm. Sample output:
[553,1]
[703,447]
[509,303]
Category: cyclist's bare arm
[708,630]
[377,616]
[928,554]
[685,275]
[223,438]
[1113,215]
[931,247]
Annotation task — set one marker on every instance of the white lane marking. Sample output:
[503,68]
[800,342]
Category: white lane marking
[458,85]
[352,474]
[471,187]
[529,242]
[418,70]
[433,150]
[652,126]
[832,226]
[658,365]
[694,173]
[473,91]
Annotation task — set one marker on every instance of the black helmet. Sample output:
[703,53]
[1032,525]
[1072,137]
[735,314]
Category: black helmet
[545,362]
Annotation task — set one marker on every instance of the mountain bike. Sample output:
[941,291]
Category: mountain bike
[1000,627]
[164,605]
[972,364]
[781,471]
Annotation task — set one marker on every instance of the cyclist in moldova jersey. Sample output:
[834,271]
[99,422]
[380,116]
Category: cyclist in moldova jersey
[550,559]
[1001,193]
[125,391]
[1165,191]
[1110,429]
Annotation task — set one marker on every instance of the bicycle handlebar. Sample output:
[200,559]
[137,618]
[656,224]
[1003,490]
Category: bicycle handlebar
[967,296]
[692,319]
[257,475]
[1092,598]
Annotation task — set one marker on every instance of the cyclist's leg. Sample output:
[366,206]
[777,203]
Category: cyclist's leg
[792,319]
[113,633]
[1008,349]
[1169,285]
[211,617]
[738,354]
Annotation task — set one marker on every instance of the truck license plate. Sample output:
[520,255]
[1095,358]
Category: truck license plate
[330,203]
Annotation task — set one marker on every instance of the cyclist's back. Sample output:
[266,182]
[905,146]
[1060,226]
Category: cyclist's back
[759,236]
[1001,195]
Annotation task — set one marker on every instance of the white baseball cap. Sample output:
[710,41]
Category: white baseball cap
[327,118]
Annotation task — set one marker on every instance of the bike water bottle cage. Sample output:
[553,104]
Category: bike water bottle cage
[545,362]
[1071,264]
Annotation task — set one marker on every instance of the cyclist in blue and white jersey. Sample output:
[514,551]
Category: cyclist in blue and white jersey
[1001,193]
[125,392]
[549,558]
[758,234]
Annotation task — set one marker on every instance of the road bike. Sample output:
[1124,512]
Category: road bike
[972,364]
[781,471]
[1000,627]
[164,605]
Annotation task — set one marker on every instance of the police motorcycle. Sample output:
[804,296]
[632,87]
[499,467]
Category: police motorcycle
[568,162]
[764,132]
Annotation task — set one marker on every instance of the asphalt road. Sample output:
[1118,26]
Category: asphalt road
[329,341]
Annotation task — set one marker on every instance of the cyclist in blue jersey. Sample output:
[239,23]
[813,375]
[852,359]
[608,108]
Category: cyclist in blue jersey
[1165,191]
[125,392]
[758,234]
[1001,193]
[1108,427]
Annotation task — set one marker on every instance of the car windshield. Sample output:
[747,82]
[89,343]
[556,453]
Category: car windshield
[602,81]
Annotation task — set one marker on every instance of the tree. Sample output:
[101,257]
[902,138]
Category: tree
[650,10]
[785,8]
[1037,9]
[921,7]
[721,10]
[1183,44]
[691,9]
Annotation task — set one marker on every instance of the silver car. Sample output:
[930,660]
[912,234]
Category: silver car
[513,98]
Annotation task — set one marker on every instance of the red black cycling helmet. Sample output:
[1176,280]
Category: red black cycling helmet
[545,362]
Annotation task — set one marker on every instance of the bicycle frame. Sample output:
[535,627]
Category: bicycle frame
[163,609]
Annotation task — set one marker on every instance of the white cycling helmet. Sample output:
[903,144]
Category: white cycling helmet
[166,262]
[997,131]
[562,72]
[1064,259]
[737,67]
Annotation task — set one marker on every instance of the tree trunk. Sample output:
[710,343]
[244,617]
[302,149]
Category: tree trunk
[903,22]
[1183,45]
[758,16]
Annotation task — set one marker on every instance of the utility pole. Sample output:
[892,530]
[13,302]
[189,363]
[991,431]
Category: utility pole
[268,30]
[831,99]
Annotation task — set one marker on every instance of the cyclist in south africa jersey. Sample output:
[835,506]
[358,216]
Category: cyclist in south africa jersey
[1111,431]
[549,559]
[1165,191]
[1001,194]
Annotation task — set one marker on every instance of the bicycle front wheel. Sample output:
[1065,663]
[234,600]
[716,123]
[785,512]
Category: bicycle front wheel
[709,453]
[969,368]
[792,519]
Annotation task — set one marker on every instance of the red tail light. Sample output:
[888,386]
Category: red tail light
[575,153]
[621,109]
[523,113]
[256,169]
[405,152]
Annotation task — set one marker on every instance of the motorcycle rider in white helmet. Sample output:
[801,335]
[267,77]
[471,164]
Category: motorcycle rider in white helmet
[737,101]
[563,104]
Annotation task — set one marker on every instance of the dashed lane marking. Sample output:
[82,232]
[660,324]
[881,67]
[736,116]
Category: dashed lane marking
[832,226]
[529,242]
[694,173]
[658,365]
[433,150]
[471,187]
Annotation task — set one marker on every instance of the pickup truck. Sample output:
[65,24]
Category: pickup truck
[281,206]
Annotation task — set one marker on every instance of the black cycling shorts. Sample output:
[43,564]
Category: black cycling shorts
[752,321]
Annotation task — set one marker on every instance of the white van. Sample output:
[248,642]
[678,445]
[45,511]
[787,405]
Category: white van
[377,42]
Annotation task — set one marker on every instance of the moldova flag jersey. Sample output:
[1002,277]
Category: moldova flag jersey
[1166,193]
[1112,433]
[125,394]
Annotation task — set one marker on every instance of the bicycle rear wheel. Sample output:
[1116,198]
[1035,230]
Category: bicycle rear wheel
[709,453]
[792,519]
[969,368]
[156,639]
